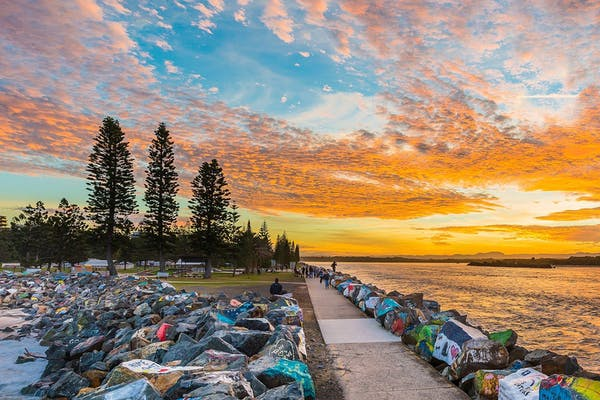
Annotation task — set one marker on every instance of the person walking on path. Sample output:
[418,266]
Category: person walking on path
[326,279]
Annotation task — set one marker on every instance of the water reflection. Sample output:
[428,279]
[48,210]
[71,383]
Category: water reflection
[556,309]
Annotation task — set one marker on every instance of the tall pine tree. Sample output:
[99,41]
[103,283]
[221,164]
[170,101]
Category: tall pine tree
[67,228]
[212,219]
[111,185]
[30,235]
[161,188]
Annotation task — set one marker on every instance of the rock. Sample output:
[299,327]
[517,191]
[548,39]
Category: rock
[479,354]
[92,343]
[214,360]
[257,386]
[413,300]
[68,385]
[88,359]
[424,338]
[535,357]
[559,364]
[187,385]
[24,358]
[517,353]
[275,372]
[95,377]
[507,338]
[248,342]
[255,324]
[521,385]
[569,387]
[142,309]
[153,352]
[119,375]
[293,391]
[136,369]
[449,341]
[216,391]
[286,343]
[186,353]
[137,390]
[486,382]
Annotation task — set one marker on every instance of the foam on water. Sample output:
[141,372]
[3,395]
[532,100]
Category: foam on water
[13,377]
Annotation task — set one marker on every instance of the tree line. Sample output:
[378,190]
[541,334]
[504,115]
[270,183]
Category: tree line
[104,229]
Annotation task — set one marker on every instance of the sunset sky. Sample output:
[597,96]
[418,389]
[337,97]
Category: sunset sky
[360,127]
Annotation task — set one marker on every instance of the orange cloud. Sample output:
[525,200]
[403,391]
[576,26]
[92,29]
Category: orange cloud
[573,215]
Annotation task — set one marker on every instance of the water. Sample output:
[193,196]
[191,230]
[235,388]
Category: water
[555,309]
[13,376]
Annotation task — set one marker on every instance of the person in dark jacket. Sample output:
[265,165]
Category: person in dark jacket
[276,288]
[326,277]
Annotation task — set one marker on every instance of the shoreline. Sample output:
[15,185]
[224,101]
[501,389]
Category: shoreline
[419,332]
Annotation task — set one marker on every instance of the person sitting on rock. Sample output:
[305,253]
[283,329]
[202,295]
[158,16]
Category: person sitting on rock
[276,288]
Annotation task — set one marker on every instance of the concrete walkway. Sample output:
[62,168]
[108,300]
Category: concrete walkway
[370,361]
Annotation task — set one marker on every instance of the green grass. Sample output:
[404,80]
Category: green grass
[226,279]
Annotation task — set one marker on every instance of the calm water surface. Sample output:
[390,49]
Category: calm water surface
[555,309]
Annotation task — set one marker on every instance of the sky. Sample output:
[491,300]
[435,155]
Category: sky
[382,127]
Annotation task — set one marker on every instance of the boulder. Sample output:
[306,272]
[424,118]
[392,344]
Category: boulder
[450,339]
[137,390]
[535,357]
[293,391]
[188,385]
[88,359]
[560,364]
[275,372]
[210,343]
[523,384]
[479,354]
[257,386]
[68,385]
[248,342]
[214,360]
[486,382]
[90,344]
[424,337]
[507,338]
[558,387]
[95,376]
[517,353]
[255,324]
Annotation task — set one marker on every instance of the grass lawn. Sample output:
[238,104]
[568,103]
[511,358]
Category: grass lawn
[226,279]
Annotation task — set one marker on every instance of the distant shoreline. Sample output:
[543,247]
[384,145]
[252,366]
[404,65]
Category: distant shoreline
[500,264]
[546,262]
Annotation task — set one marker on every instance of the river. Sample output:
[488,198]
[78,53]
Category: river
[556,309]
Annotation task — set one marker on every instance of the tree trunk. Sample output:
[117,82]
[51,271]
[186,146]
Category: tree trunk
[161,259]
[208,268]
[109,259]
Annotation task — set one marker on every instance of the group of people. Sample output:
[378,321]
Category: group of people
[306,271]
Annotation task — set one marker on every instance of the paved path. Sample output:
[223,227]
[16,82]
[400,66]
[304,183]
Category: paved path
[370,361]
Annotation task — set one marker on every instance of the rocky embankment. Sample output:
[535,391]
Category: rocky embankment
[486,365]
[135,338]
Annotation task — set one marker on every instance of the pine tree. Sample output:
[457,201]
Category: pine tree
[265,246]
[30,235]
[297,254]
[247,249]
[212,217]
[67,227]
[161,188]
[111,185]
